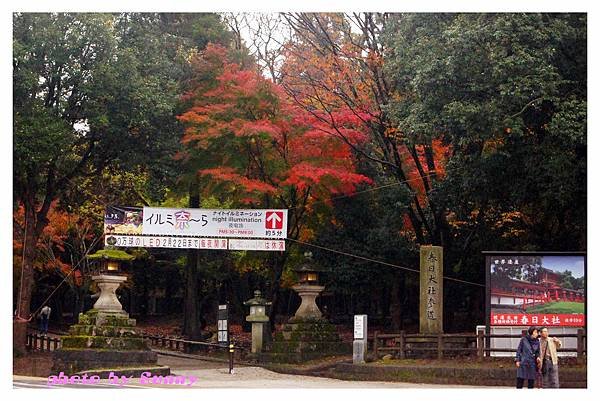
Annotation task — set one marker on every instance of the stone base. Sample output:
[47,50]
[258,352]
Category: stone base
[72,361]
[104,330]
[102,340]
[305,340]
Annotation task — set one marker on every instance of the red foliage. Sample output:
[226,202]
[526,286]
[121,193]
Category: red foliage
[267,143]
[52,252]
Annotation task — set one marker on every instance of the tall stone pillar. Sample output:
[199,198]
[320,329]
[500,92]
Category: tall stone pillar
[431,309]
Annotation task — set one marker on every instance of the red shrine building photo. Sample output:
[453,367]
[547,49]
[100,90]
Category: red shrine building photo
[525,294]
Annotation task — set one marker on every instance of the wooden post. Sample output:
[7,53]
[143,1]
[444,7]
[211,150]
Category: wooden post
[480,344]
[376,345]
[402,344]
[579,345]
[440,346]
[48,343]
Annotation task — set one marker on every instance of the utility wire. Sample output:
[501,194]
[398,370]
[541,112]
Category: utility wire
[379,261]
[67,276]
[432,172]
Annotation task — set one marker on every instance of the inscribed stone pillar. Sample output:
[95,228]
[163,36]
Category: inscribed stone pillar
[432,296]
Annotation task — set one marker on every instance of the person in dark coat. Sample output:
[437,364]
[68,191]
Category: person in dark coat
[528,358]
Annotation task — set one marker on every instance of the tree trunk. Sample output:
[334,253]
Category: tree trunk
[396,302]
[26,279]
[191,315]
[275,290]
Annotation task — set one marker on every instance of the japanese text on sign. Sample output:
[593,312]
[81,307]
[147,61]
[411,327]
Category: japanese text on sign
[249,223]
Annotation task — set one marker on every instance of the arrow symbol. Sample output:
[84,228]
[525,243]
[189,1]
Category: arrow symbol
[273,219]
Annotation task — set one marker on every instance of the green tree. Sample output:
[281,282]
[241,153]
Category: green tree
[507,93]
[91,91]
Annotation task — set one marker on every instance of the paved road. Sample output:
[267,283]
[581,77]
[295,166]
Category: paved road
[243,377]
[213,374]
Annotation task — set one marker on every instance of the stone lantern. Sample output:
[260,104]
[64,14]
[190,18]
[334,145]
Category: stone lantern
[308,289]
[109,278]
[260,321]
[105,336]
[307,335]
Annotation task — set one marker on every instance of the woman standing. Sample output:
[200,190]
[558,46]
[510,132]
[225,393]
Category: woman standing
[528,358]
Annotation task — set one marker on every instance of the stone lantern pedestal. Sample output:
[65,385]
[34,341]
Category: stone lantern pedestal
[308,309]
[108,301]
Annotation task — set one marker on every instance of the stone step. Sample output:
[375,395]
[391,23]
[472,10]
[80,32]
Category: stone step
[96,342]
[105,331]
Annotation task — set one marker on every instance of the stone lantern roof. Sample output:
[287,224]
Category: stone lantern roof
[308,265]
[111,254]
[258,300]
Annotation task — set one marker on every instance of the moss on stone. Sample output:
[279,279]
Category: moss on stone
[114,254]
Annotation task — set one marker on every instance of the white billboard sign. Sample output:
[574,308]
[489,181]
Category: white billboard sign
[230,223]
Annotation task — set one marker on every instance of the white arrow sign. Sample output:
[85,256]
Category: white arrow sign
[273,219]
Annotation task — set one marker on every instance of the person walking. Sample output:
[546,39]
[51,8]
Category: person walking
[44,318]
[549,356]
[528,358]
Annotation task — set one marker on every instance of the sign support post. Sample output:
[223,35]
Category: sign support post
[222,325]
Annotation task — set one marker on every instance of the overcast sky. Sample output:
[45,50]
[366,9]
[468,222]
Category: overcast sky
[563,263]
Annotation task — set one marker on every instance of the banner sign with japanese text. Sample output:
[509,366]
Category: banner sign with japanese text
[134,241]
[153,241]
[256,245]
[544,290]
[228,223]
[234,223]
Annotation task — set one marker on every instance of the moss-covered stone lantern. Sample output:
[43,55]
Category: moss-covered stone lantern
[104,338]
[307,335]
[109,278]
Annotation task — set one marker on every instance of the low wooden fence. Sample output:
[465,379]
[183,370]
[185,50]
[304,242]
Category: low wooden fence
[403,344]
[38,342]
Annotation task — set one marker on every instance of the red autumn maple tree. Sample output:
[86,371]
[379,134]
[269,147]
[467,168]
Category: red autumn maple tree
[52,251]
[331,68]
[249,133]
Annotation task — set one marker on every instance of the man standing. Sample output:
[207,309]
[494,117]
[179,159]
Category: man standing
[548,347]
[44,317]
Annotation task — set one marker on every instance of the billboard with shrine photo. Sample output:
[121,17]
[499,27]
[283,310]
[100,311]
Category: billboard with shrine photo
[539,290]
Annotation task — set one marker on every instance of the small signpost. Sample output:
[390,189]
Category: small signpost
[359,346]
[222,325]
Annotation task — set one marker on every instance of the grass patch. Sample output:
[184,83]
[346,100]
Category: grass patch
[558,307]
